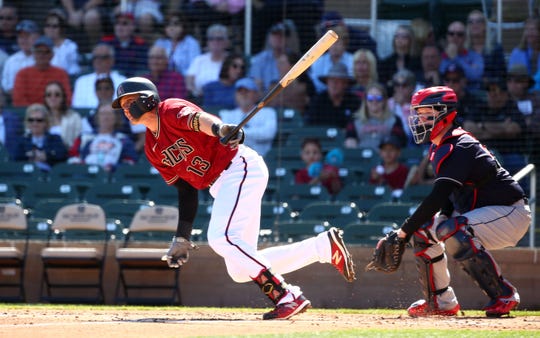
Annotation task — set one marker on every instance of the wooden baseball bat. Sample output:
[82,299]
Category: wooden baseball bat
[315,52]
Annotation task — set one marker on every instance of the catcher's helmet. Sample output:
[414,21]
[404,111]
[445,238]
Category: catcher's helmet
[443,102]
[148,95]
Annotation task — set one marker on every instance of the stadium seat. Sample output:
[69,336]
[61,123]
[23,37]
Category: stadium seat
[299,195]
[14,236]
[100,193]
[77,242]
[146,241]
[415,193]
[294,231]
[336,213]
[78,172]
[365,195]
[366,232]
[271,214]
[391,212]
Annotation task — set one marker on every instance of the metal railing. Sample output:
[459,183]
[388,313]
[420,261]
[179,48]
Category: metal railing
[530,169]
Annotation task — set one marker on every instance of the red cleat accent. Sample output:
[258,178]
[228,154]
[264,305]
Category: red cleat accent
[341,258]
[287,310]
[502,306]
[421,308]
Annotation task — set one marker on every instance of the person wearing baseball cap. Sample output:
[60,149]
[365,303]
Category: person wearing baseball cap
[30,82]
[27,34]
[262,128]
[335,105]
[390,172]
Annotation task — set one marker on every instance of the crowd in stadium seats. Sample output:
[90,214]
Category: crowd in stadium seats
[57,77]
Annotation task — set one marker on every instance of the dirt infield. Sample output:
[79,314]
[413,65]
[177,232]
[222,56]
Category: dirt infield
[125,322]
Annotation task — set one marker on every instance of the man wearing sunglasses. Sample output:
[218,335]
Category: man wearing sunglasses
[455,51]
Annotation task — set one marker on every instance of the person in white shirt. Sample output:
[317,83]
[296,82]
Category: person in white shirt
[27,34]
[206,67]
[84,94]
[66,51]
[261,129]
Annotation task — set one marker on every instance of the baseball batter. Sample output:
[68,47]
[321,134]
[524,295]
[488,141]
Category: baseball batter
[183,144]
[477,205]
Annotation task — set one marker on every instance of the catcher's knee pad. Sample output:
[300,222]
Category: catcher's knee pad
[459,242]
[271,285]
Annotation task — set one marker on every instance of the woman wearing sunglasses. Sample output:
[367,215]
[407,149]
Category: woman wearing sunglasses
[64,121]
[38,145]
[374,121]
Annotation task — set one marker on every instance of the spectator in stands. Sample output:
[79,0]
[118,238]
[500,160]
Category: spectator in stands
[422,173]
[181,47]
[304,14]
[527,52]
[27,34]
[105,90]
[519,82]
[168,82]
[429,75]
[220,94]
[404,56]
[90,16]
[456,52]
[334,106]
[130,49]
[262,128]
[500,125]
[66,51]
[390,172]
[30,82]
[106,147]
[423,33]
[148,16]
[206,67]
[63,120]
[480,40]
[38,145]
[299,93]
[364,71]
[9,16]
[337,53]
[469,102]
[316,171]
[103,59]
[264,64]
[404,84]
[358,38]
[374,121]
[11,128]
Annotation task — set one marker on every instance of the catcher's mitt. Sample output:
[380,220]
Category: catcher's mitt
[388,253]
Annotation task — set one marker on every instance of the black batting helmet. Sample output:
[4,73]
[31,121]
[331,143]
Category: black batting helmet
[148,95]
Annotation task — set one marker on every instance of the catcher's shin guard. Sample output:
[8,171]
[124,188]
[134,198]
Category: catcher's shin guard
[431,263]
[474,259]
[271,285]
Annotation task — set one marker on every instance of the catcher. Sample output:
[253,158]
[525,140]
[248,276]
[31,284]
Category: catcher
[475,206]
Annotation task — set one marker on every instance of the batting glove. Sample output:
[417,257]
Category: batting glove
[221,130]
[178,253]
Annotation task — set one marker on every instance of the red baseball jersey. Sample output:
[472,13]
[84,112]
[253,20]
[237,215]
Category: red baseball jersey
[179,150]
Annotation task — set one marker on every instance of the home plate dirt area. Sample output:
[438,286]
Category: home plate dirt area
[125,322]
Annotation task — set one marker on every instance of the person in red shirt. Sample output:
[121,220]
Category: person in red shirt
[30,82]
[390,172]
[184,143]
[316,171]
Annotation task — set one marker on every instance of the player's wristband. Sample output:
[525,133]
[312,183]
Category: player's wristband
[215,129]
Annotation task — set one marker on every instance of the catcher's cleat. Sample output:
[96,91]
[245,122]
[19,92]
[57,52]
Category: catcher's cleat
[421,308]
[287,310]
[341,258]
[502,306]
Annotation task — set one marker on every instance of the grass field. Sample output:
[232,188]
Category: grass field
[83,321]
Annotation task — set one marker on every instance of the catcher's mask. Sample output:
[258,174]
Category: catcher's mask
[442,102]
[147,100]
